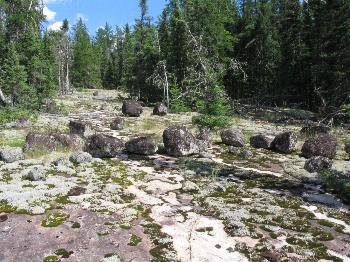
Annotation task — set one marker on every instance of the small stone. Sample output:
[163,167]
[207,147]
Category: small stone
[246,153]
[80,158]
[117,123]
[317,164]
[11,154]
[59,162]
[190,187]
[232,137]
[3,217]
[36,174]
[96,93]
[76,191]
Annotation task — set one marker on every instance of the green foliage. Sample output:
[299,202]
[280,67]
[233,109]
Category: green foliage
[340,185]
[10,114]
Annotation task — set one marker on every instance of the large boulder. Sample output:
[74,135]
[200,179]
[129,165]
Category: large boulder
[232,137]
[117,123]
[81,128]
[178,141]
[160,110]
[145,145]
[261,141]
[323,145]
[52,142]
[132,108]
[205,136]
[104,146]
[317,164]
[285,142]
[11,154]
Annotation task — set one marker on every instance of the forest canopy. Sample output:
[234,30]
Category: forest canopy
[199,55]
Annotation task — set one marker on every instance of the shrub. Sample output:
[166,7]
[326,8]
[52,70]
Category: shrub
[10,114]
[338,183]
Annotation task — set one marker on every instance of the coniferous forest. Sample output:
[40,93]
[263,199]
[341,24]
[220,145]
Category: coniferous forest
[199,55]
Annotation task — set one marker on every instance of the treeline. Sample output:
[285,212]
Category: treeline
[198,55]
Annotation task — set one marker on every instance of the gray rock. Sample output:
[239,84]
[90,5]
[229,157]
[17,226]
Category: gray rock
[246,153]
[80,158]
[52,142]
[80,128]
[232,137]
[59,162]
[132,108]
[36,174]
[145,145]
[160,110]
[205,136]
[178,141]
[20,123]
[3,217]
[284,143]
[234,150]
[117,123]
[190,187]
[241,152]
[96,93]
[11,154]
[104,146]
[323,145]
[317,164]
[261,141]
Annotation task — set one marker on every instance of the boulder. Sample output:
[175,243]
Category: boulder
[132,108]
[284,143]
[117,123]
[179,141]
[11,154]
[81,128]
[190,187]
[317,164]
[52,142]
[323,145]
[104,146]
[261,141]
[347,148]
[232,137]
[80,158]
[160,110]
[315,130]
[145,145]
[76,191]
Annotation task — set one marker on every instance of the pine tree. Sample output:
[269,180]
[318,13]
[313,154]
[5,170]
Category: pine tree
[85,68]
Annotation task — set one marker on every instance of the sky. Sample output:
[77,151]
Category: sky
[95,13]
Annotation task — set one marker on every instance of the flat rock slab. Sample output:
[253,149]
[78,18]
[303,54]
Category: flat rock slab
[22,238]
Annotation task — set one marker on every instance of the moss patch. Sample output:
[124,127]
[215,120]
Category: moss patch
[54,220]
[134,240]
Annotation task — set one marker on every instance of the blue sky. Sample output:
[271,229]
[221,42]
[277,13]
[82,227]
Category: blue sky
[96,13]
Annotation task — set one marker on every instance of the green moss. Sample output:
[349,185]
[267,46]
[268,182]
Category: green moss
[63,200]
[54,220]
[5,207]
[51,186]
[52,259]
[6,177]
[103,233]
[63,253]
[326,223]
[76,225]
[123,181]
[134,240]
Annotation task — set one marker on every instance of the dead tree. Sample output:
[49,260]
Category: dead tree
[64,59]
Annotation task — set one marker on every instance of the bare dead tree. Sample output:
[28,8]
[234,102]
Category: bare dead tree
[64,59]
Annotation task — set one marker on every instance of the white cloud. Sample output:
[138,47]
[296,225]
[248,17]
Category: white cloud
[55,26]
[50,15]
[82,17]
